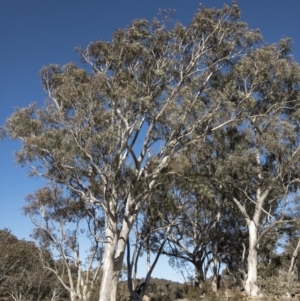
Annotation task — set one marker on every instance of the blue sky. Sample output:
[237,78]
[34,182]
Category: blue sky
[34,33]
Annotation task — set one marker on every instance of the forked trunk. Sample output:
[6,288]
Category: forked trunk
[250,285]
[199,277]
[73,296]
[114,250]
[111,267]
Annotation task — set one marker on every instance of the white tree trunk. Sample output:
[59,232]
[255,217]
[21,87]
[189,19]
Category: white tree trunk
[108,273]
[214,283]
[114,286]
[111,272]
[250,285]
[293,260]
[85,292]
[73,296]
[114,250]
[148,256]
[215,277]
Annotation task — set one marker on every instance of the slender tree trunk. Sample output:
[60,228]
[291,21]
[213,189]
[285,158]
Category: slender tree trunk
[294,257]
[292,268]
[250,285]
[73,294]
[215,277]
[85,292]
[148,255]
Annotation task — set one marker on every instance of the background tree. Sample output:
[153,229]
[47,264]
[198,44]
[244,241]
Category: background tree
[60,224]
[8,263]
[151,231]
[206,220]
[263,170]
[23,277]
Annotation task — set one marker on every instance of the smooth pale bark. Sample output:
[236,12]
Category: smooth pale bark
[148,256]
[114,250]
[110,275]
[215,277]
[293,260]
[73,296]
[250,285]
[292,266]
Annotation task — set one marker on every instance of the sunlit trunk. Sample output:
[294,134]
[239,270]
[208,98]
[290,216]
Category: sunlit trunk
[108,273]
[85,292]
[113,292]
[73,296]
[250,285]
[114,250]
[108,289]
[294,257]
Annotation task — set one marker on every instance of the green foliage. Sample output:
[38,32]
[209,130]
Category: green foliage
[21,271]
[184,122]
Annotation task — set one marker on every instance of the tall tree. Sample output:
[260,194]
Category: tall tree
[106,133]
[262,171]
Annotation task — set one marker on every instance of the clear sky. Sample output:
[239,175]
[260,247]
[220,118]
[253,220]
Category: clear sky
[34,33]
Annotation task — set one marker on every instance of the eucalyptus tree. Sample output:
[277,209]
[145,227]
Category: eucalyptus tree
[62,226]
[291,242]
[262,172]
[205,220]
[107,131]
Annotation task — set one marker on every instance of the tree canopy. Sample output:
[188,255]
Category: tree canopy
[110,134]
